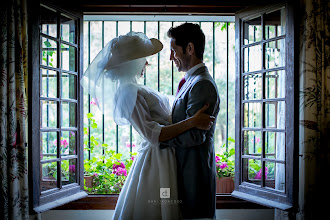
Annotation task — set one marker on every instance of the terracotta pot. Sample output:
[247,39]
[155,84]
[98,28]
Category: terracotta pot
[89,181]
[225,185]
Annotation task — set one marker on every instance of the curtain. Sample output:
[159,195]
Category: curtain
[314,123]
[13,112]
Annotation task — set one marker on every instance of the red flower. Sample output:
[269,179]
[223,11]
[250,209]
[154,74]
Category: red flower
[72,168]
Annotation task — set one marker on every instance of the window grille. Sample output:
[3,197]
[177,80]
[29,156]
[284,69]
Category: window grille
[162,75]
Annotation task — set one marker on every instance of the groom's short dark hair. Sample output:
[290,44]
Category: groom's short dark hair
[188,32]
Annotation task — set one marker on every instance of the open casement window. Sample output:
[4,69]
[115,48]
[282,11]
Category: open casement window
[56,157]
[266,153]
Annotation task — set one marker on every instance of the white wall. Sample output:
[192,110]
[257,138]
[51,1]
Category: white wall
[230,214]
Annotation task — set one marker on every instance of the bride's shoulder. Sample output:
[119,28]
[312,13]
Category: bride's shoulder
[144,90]
[150,95]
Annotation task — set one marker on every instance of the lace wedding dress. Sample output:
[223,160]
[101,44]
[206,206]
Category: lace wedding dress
[153,174]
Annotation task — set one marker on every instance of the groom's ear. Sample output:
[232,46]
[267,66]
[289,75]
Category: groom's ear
[190,50]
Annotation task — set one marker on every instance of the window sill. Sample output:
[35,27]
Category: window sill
[108,202]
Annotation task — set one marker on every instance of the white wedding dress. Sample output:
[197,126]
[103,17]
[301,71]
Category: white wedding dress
[153,168]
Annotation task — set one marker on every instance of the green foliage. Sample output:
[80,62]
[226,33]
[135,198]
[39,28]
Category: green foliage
[92,120]
[103,167]
[255,170]
[225,162]
[48,53]
[51,170]
[222,25]
[93,140]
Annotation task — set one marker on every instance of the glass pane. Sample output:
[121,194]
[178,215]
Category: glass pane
[275,175]
[68,29]
[275,115]
[136,139]
[252,86]
[124,141]
[68,57]
[275,23]
[95,38]
[252,143]
[275,54]
[110,132]
[69,170]
[48,22]
[177,76]
[69,114]
[275,145]
[69,82]
[252,30]
[124,27]
[49,52]
[138,26]
[220,77]
[48,145]
[275,84]
[165,68]
[48,112]
[207,28]
[269,171]
[252,115]
[68,143]
[48,176]
[110,29]
[151,74]
[270,145]
[48,83]
[252,58]
[252,171]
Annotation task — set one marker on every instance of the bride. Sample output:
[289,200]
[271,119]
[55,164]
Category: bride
[150,190]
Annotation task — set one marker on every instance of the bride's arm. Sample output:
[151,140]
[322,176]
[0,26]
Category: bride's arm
[199,120]
[154,132]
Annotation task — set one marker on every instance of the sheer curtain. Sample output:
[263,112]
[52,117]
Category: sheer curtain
[314,128]
[280,119]
[13,112]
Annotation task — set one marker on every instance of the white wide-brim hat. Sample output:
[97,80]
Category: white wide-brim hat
[131,46]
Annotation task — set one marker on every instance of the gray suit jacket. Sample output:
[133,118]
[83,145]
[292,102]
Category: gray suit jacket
[195,148]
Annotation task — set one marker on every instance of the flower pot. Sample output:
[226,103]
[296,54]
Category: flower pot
[88,181]
[225,185]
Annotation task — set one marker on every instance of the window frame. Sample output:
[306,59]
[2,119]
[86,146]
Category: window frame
[227,201]
[108,202]
[147,19]
[40,202]
[251,192]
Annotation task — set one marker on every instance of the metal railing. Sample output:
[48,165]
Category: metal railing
[112,26]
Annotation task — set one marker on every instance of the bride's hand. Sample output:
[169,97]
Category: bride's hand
[203,121]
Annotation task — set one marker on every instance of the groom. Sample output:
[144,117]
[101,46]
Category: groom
[194,148]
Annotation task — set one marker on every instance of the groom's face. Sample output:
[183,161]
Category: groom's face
[180,59]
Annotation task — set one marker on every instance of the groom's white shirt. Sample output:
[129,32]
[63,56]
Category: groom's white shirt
[192,70]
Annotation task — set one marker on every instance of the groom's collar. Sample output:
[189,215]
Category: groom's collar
[192,70]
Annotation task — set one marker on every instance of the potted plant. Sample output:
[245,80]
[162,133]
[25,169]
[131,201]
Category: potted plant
[225,166]
[104,173]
